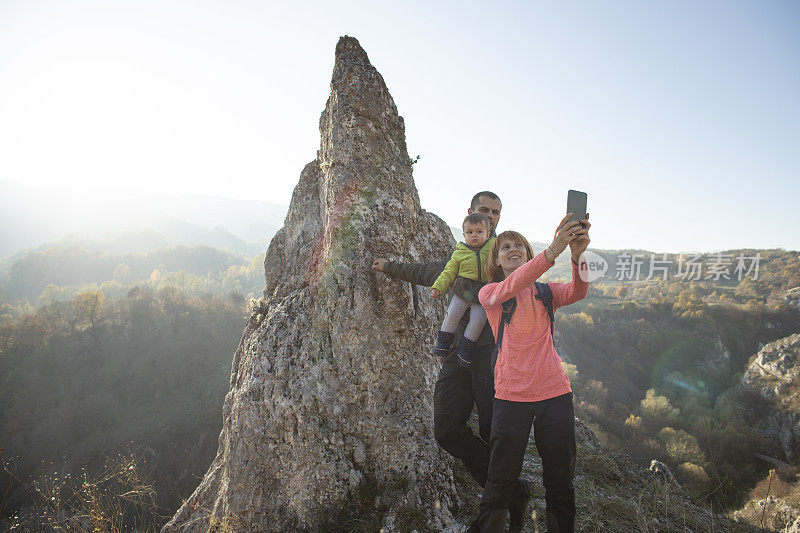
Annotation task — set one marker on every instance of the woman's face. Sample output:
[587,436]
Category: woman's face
[511,255]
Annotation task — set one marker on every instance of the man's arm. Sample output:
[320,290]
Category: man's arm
[425,274]
[416,273]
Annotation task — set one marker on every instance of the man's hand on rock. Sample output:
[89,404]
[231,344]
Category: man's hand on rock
[435,293]
[378,265]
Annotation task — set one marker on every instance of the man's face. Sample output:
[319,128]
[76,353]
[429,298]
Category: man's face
[490,208]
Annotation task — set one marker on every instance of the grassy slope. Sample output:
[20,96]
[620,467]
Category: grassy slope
[613,494]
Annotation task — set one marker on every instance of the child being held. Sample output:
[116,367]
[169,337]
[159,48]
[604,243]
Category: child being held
[467,261]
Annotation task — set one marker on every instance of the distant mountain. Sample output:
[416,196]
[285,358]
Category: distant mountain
[162,233]
[74,266]
[30,217]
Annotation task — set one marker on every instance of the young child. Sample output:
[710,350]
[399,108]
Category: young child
[467,261]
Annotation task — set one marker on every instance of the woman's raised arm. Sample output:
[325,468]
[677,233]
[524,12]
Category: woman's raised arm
[495,294]
[569,293]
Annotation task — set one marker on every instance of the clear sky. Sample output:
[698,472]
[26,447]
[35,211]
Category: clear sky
[681,120]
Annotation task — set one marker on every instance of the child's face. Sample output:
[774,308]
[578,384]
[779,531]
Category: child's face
[475,234]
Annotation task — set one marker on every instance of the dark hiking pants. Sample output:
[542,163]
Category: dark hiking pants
[457,390]
[553,422]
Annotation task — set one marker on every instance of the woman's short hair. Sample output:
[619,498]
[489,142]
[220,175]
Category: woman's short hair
[493,271]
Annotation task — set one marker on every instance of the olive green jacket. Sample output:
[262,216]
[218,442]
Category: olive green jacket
[465,262]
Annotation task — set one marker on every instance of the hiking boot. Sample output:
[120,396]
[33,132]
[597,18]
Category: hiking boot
[443,342]
[465,347]
[519,505]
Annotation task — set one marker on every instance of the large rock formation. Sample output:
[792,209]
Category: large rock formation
[332,386]
[771,514]
[775,375]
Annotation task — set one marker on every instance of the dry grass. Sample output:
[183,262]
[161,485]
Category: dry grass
[118,497]
[614,495]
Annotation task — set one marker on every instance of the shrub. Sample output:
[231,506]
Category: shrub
[693,475]
[680,446]
[634,427]
[657,411]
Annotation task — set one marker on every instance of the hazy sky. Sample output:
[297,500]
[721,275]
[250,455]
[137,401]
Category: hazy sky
[681,120]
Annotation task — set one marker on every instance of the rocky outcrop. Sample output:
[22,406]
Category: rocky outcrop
[775,375]
[332,386]
[717,361]
[792,297]
[772,514]
[661,470]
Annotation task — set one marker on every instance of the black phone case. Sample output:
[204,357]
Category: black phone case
[576,204]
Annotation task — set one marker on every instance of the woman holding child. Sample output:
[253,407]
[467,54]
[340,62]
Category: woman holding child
[531,387]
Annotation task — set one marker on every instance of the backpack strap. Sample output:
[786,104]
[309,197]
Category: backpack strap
[509,306]
[545,295]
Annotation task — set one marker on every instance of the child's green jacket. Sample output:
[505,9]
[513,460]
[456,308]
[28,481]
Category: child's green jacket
[464,262]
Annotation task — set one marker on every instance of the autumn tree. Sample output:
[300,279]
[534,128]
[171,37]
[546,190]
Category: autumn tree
[87,306]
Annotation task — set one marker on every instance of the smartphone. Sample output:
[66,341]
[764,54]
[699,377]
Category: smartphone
[576,204]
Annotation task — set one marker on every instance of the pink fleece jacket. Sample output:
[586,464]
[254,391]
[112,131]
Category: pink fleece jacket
[528,368]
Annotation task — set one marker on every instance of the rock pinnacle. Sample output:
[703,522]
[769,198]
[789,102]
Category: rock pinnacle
[331,386]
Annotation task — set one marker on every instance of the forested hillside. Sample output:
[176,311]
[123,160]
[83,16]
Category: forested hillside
[85,378]
[102,351]
[666,386]
[61,272]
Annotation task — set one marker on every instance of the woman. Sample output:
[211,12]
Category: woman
[531,387]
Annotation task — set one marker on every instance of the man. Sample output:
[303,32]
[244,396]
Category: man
[458,388]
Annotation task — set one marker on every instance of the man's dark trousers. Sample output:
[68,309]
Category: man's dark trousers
[456,390]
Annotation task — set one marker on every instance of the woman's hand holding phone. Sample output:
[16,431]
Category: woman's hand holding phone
[578,245]
[566,232]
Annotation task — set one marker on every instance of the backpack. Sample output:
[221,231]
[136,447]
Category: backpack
[545,295]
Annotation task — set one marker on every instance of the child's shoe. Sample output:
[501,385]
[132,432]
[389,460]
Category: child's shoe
[443,342]
[465,347]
